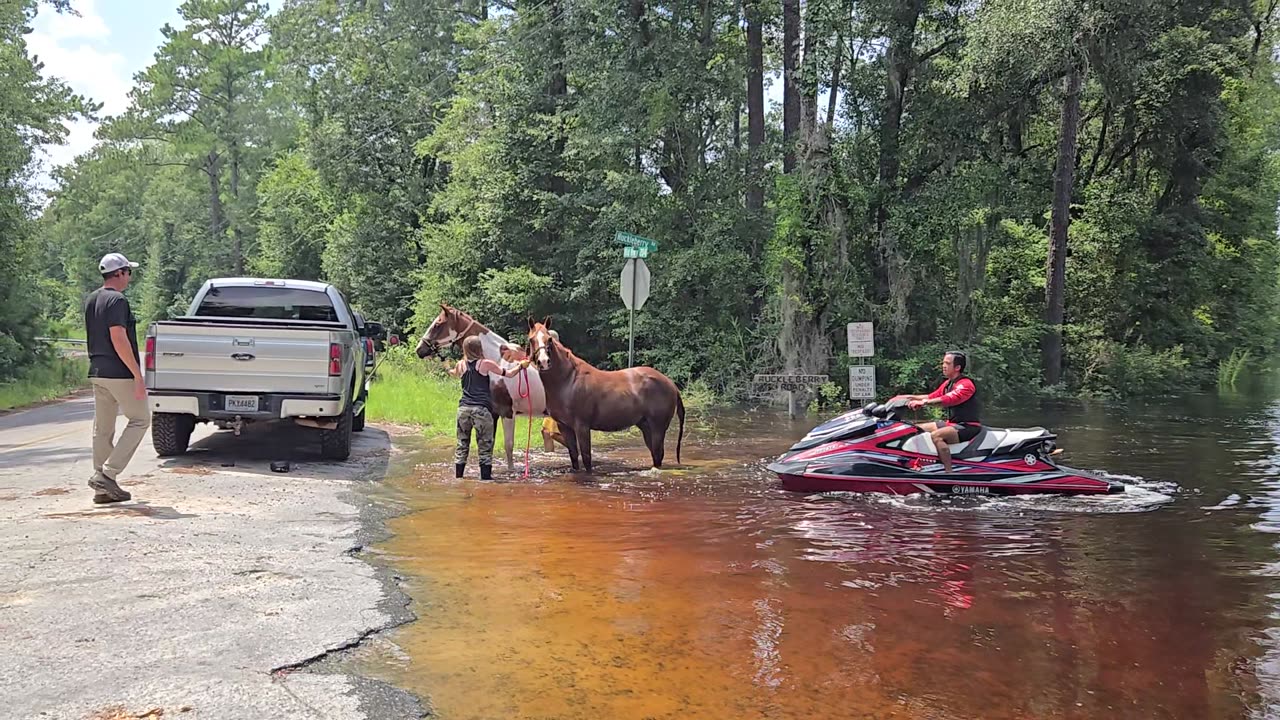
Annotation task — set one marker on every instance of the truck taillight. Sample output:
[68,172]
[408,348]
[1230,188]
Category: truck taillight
[335,359]
[149,358]
[368,347]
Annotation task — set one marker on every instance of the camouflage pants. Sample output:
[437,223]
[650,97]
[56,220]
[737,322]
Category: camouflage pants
[471,417]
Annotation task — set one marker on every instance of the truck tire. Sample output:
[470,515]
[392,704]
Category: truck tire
[171,433]
[335,444]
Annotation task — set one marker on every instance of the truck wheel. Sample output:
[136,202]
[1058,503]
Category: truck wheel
[171,433]
[335,444]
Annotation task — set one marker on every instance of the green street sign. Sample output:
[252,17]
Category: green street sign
[635,252]
[635,241]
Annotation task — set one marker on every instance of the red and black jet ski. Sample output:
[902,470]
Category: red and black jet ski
[872,449]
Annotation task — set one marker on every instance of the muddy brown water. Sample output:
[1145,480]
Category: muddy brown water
[708,592]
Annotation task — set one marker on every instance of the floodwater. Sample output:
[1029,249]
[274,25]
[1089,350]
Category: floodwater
[708,592]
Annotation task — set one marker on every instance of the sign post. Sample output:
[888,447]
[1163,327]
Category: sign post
[862,346]
[634,281]
[635,290]
[789,383]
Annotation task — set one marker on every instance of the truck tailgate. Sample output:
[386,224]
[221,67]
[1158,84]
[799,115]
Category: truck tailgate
[230,358]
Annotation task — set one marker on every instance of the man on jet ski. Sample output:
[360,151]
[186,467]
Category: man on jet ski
[959,395]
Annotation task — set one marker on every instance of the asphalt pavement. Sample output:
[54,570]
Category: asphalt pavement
[209,595]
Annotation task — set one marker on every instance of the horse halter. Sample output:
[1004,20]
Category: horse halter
[435,347]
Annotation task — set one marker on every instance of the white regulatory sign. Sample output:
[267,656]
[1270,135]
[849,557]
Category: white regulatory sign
[862,342]
[862,382]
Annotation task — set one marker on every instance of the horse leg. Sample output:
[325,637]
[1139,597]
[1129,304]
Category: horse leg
[509,440]
[658,439]
[647,432]
[583,434]
[570,444]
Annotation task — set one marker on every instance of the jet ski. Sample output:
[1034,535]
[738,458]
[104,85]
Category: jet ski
[872,449]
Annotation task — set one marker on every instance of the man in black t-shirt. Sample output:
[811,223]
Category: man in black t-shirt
[118,384]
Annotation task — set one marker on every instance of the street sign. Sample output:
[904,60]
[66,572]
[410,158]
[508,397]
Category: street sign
[635,284]
[634,291]
[862,342]
[635,252]
[789,383]
[862,382]
[636,241]
[786,382]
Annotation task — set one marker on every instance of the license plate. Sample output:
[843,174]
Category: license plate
[242,403]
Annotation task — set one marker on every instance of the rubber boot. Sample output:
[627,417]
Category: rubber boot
[486,472]
[457,470]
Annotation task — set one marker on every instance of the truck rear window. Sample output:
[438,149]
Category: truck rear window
[267,303]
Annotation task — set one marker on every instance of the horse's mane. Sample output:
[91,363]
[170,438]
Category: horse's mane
[467,318]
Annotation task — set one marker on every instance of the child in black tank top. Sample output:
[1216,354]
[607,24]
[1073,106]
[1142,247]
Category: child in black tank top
[475,407]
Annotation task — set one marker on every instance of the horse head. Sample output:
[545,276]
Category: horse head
[444,331]
[544,343]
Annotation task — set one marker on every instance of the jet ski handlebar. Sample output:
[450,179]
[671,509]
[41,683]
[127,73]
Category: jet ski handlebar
[883,410]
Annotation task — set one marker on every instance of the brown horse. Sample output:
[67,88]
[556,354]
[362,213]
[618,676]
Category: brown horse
[582,398]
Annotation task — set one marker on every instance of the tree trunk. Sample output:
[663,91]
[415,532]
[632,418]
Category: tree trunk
[893,274]
[213,169]
[237,230]
[808,82]
[557,91]
[835,79]
[790,82]
[1056,280]
[900,57]
[755,107]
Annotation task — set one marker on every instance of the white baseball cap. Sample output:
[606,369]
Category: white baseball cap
[112,262]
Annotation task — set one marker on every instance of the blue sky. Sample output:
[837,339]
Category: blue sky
[98,54]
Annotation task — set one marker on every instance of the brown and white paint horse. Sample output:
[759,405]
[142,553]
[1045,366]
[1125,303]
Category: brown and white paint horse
[582,398]
[450,327]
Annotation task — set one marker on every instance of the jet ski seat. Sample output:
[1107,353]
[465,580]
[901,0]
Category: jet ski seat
[988,441]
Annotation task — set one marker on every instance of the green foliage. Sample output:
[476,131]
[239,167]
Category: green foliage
[46,379]
[1229,369]
[32,112]
[413,156]
[413,392]
[1111,369]
[295,212]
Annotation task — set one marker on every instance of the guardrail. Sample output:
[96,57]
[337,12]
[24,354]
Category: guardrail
[71,341]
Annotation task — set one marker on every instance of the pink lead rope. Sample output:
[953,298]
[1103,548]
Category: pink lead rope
[526,394]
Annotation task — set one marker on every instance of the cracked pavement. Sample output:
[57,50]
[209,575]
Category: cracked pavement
[206,596]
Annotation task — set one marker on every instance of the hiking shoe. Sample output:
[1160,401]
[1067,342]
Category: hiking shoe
[107,490]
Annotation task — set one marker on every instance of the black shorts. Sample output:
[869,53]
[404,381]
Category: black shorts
[967,431]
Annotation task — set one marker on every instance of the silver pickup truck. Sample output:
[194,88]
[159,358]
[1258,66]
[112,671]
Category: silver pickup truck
[253,349]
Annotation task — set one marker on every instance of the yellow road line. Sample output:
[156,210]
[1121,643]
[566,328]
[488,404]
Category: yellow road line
[43,439]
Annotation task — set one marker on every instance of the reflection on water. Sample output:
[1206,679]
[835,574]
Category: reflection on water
[705,591]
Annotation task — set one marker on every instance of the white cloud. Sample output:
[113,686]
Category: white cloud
[74,49]
[89,24]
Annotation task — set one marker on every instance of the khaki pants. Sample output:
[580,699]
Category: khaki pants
[110,397]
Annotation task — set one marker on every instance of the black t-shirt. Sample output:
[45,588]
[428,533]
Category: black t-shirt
[103,309]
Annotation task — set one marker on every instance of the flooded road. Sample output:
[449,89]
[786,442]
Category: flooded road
[708,592]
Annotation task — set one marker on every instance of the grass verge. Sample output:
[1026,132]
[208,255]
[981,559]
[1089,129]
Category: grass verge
[409,391]
[46,381]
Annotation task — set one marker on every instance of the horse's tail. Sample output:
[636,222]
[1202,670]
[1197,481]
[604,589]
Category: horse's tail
[680,412]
